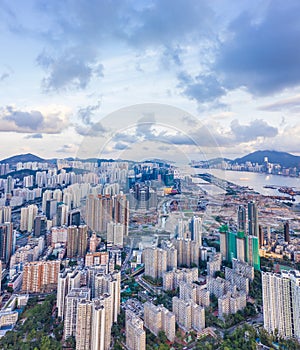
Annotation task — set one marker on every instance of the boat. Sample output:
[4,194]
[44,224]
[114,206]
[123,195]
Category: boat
[270,186]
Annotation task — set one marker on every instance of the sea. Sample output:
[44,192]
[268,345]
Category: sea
[256,181]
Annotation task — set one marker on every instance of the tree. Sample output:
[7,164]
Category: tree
[162,337]
[45,343]
[10,289]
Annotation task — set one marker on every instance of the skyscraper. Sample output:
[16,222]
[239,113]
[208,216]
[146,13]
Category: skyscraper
[5,214]
[252,219]
[83,326]
[74,217]
[155,260]
[40,275]
[187,252]
[40,226]
[51,206]
[287,232]
[281,303]
[196,229]
[121,211]
[135,334]
[99,211]
[61,214]
[261,237]
[252,252]
[28,216]
[101,323]
[6,242]
[240,245]
[242,220]
[67,280]
[71,304]
[83,240]
[72,242]
[158,318]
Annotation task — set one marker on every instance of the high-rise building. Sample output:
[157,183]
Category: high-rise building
[83,240]
[196,229]
[121,211]
[223,241]
[61,214]
[67,280]
[110,284]
[252,219]
[40,226]
[5,214]
[231,245]
[261,238]
[135,334]
[240,246]
[47,195]
[188,314]
[6,242]
[214,264]
[188,291]
[242,219]
[252,252]
[102,322]
[172,279]
[158,318]
[72,241]
[97,258]
[155,260]
[286,230]
[28,215]
[115,233]
[171,258]
[39,276]
[187,252]
[99,210]
[230,303]
[51,206]
[9,184]
[71,305]
[74,217]
[243,268]
[94,242]
[83,325]
[281,303]
[237,245]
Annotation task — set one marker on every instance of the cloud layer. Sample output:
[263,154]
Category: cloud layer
[32,121]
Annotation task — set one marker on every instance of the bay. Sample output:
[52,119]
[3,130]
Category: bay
[257,181]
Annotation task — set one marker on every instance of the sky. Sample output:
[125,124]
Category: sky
[169,79]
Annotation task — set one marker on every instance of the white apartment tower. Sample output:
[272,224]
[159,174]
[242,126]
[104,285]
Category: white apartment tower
[70,318]
[281,303]
[135,334]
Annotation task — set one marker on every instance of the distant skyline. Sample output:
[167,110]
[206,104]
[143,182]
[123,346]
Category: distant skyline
[230,69]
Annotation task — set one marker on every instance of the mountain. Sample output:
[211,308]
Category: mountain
[285,159]
[215,161]
[28,157]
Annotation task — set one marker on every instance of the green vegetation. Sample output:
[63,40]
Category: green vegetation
[118,331]
[155,282]
[165,300]
[246,338]
[33,328]
[255,290]
[220,274]
[212,243]
[242,338]
[230,320]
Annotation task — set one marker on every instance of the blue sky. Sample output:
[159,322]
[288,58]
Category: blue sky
[68,67]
